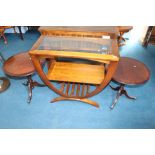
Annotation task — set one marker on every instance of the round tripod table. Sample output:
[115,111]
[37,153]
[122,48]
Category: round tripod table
[20,65]
[129,72]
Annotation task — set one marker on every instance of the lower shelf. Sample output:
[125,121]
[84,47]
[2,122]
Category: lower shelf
[76,72]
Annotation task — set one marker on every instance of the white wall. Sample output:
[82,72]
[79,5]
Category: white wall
[23,29]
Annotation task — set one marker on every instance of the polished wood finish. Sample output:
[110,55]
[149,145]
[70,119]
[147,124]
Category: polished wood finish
[4,84]
[80,31]
[76,78]
[129,72]
[85,100]
[31,84]
[76,72]
[120,91]
[20,65]
[105,58]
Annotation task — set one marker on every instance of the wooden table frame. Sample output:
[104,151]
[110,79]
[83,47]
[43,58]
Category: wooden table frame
[110,60]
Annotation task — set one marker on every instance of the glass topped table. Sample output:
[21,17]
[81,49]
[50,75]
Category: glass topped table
[98,61]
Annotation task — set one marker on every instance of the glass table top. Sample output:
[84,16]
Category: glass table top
[77,44]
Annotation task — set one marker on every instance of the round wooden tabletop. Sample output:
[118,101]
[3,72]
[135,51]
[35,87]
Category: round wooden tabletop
[19,65]
[131,72]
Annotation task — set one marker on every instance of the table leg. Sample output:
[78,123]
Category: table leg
[121,38]
[21,34]
[121,91]
[31,84]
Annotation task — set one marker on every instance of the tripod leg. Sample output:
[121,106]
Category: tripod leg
[116,99]
[119,93]
[113,88]
[29,93]
[30,87]
[126,94]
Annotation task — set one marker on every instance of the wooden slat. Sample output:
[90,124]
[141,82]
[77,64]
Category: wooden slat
[83,90]
[88,87]
[78,90]
[76,72]
[67,88]
[62,87]
[72,91]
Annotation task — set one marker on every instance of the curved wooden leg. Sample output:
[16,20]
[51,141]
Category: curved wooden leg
[126,94]
[31,84]
[85,100]
[119,93]
[113,88]
[30,92]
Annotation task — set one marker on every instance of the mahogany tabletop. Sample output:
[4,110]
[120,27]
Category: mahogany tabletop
[19,65]
[131,72]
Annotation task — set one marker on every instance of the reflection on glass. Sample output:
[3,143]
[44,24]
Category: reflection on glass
[95,45]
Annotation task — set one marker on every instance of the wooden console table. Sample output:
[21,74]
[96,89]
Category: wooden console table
[77,64]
